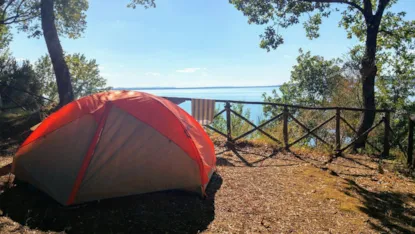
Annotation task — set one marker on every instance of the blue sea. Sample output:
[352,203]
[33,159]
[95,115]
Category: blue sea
[234,94]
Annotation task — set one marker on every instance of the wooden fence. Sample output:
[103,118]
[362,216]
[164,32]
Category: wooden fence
[338,148]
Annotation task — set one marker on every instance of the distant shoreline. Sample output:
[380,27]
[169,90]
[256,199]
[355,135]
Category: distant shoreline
[209,87]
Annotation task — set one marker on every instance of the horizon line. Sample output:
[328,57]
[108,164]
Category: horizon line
[199,87]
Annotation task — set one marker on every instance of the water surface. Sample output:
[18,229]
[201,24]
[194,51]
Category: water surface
[236,94]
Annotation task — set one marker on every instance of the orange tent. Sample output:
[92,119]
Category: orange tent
[116,143]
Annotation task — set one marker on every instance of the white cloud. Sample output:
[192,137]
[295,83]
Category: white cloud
[152,74]
[189,70]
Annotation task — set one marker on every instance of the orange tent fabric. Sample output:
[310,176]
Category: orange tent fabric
[102,136]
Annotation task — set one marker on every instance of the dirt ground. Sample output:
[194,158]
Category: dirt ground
[250,193]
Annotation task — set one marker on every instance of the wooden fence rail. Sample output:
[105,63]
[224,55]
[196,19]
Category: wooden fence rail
[286,115]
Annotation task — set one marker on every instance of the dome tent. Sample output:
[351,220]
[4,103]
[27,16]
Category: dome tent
[116,143]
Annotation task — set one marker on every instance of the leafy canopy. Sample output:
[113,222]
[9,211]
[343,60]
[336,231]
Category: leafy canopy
[70,17]
[356,16]
[16,76]
[86,78]
[146,3]
[5,37]
[313,80]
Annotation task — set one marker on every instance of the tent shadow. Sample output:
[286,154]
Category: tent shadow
[160,212]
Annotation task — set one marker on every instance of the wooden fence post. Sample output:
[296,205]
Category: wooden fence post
[228,122]
[386,145]
[338,143]
[285,127]
[410,161]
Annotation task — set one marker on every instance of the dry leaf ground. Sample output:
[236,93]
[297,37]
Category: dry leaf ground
[250,193]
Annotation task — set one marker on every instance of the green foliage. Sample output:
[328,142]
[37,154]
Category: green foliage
[396,89]
[396,83]
[313,82]
[276,14]
[282,14]
[309,85]
[238,125]
[318,82]
[5,37]
[46,76]
[394,30]
[70,17]
[14,77]
[86,79]
[360,18]
[220,121]
[146,3]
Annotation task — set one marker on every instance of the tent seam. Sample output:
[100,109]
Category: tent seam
[82,172]
[198,160]
[111,158]
[202,167]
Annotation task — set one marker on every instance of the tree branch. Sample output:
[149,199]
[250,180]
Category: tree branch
[7,6]
[15,16]
[368,9]
[390,33]
[381,8]
[9,3]
[387,32]
[20,19]
[359,8]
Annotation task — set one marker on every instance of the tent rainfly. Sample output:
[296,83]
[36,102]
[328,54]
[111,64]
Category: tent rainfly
[113,144]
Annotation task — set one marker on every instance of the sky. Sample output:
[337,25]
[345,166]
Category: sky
[188,43]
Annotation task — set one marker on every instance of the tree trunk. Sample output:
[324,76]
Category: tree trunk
[368,72]
[63,77]
[1,104]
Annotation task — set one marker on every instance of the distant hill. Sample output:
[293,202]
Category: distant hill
[209,87]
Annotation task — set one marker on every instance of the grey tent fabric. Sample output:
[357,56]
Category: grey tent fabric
[49,163]
[133,158]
